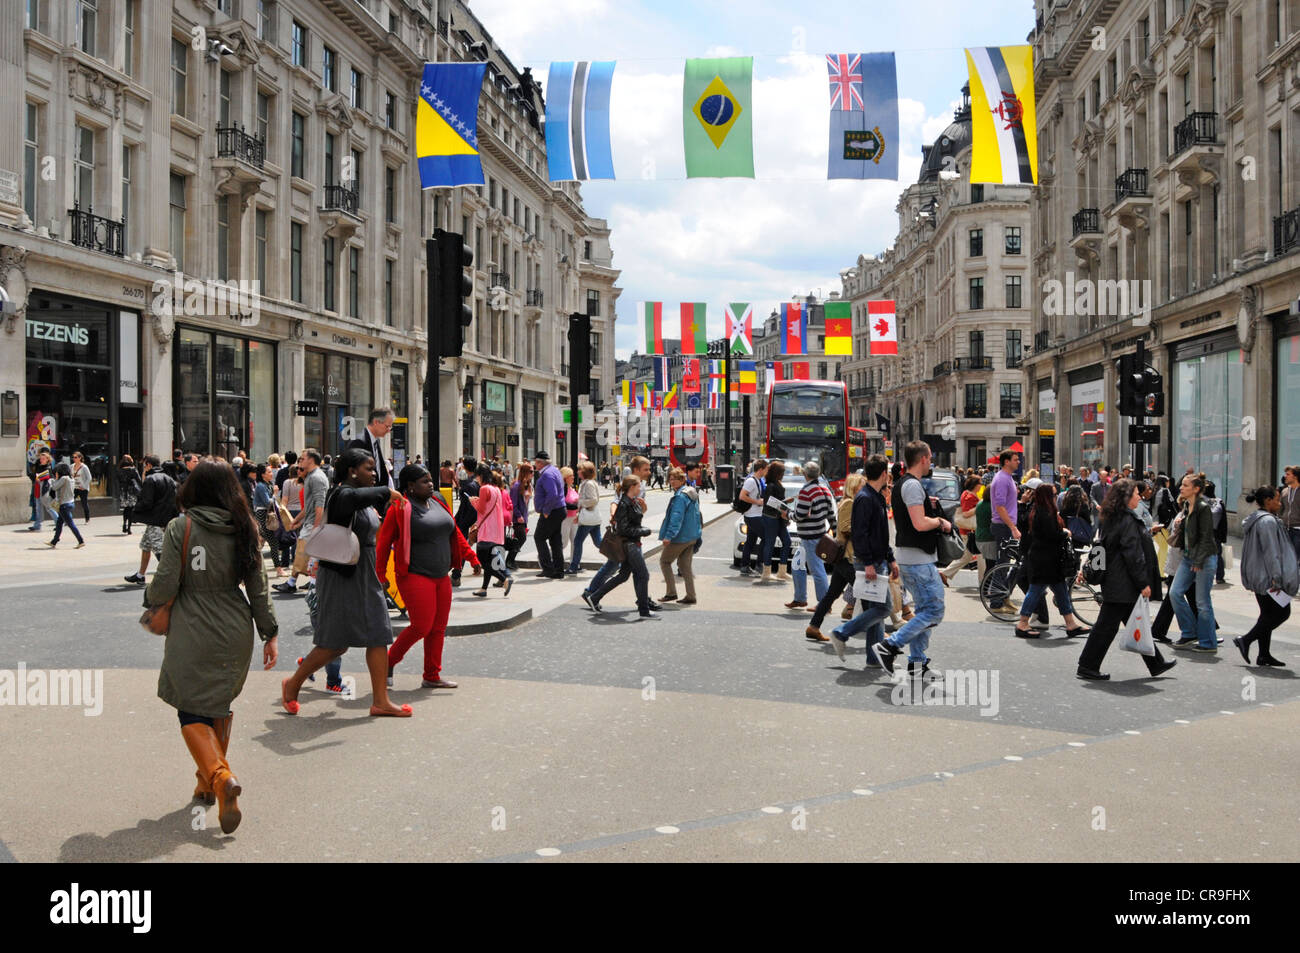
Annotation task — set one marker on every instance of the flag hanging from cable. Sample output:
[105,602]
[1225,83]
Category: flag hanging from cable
[794,329]
[446,125]
[695,338]
[577,121]
[839,328]
[864,116]
[663,374]
[652,320]
[882,320]
[799,370]
[1004,130]
[691,375]
[748,380]
[740,328]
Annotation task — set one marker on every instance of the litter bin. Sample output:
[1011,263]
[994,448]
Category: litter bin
[726,481]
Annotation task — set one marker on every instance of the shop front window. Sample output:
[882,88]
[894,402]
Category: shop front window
[1288,398]
[1207,420]
[1089,418]
[68,384]
[224,395]
[342,385]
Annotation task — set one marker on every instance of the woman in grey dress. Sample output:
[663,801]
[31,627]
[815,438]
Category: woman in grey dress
[351,610]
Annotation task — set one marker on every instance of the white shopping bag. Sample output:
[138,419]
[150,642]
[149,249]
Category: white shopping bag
[1136,636]
[871,590]
[798,559]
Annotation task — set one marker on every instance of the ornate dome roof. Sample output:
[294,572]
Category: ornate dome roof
[949,142]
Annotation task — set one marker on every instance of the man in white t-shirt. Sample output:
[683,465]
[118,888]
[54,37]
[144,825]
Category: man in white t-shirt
[751,492]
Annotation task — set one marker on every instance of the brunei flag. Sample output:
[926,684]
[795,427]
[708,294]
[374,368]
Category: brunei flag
[446,125]
[839,328]
[1004,131]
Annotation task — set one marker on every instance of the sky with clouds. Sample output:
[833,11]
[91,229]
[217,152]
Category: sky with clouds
[789,230]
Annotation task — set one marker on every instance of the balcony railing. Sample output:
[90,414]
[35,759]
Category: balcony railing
[977,410]
[1132,182]
[234,143]
[1286,232]
[342,198]
[500,279]
[941,370]
[973,364]
[865,392]
[94,231]
[534,298]
[1015,360]
[1196,129]
[1042,341]
[1086,220]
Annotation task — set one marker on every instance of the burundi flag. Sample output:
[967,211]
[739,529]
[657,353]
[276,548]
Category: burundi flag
[1004,134]
[748,383]
[446,125]
[794,329]
[718,117]
[652,319]
[695,339]
[839,328]
[577,121]
[864,116]
[882,320]
[740,328]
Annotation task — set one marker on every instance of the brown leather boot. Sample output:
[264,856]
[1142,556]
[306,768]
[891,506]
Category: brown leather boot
[203,790]
[206,750]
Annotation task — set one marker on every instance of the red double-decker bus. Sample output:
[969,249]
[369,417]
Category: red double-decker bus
[857,449]
[808,422]
[688,443]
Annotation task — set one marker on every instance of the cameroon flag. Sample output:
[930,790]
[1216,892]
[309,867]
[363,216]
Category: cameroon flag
[839,328]
[718,117]
[1004,131]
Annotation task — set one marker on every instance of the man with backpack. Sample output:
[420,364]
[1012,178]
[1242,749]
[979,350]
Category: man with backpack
[749,503]
[155,508]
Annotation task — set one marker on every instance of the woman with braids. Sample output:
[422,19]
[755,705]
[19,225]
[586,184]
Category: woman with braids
[1269,570]
[1131,571]
[207,552]
[351,609]
[427,543]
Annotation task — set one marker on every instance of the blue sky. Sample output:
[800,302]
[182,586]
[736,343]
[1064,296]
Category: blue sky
[789,230]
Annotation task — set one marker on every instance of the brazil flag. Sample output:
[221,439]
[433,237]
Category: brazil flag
[718,117]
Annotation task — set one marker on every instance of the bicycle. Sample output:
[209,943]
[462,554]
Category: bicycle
[999,586]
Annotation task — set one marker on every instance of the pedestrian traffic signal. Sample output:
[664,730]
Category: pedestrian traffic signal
[1130,382]
[1153,393]
[579,354]
[446,257]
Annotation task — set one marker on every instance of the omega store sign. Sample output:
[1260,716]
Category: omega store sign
[83,383]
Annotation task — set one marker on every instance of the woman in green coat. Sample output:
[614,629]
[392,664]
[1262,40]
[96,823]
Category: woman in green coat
[209,644]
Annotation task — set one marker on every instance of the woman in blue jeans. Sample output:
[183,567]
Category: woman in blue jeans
[64,498]
[1043,545]
[589,517]
[774,520]
[1196,569]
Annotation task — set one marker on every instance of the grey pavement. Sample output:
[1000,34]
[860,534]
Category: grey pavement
[717,732]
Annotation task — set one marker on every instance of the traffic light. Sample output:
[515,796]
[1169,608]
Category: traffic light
[1153,393]
[447,257]
[579,354]
[1131,380]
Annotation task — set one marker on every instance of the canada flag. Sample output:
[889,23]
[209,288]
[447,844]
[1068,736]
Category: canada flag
[882,319]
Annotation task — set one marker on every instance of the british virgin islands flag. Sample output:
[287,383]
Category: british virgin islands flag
[446,125]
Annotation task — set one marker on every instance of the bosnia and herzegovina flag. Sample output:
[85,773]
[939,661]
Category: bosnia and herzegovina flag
[864,116]
[718,117]
[446,125]
[839,328]
[1004,129]
[577,121]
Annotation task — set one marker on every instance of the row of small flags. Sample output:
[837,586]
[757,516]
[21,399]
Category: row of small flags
[718,115]
[703,383]
[739,327]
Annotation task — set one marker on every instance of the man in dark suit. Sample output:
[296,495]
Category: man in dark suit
[371,441]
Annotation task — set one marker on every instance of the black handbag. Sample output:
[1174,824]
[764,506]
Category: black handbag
[951,548]
[1069,559]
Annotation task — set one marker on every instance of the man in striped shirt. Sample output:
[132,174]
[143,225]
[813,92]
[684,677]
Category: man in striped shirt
[812,513]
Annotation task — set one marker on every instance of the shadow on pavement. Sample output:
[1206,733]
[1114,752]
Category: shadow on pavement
[1130,688]
[148,840]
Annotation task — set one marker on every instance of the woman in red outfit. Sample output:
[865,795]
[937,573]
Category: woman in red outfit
[426,543]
